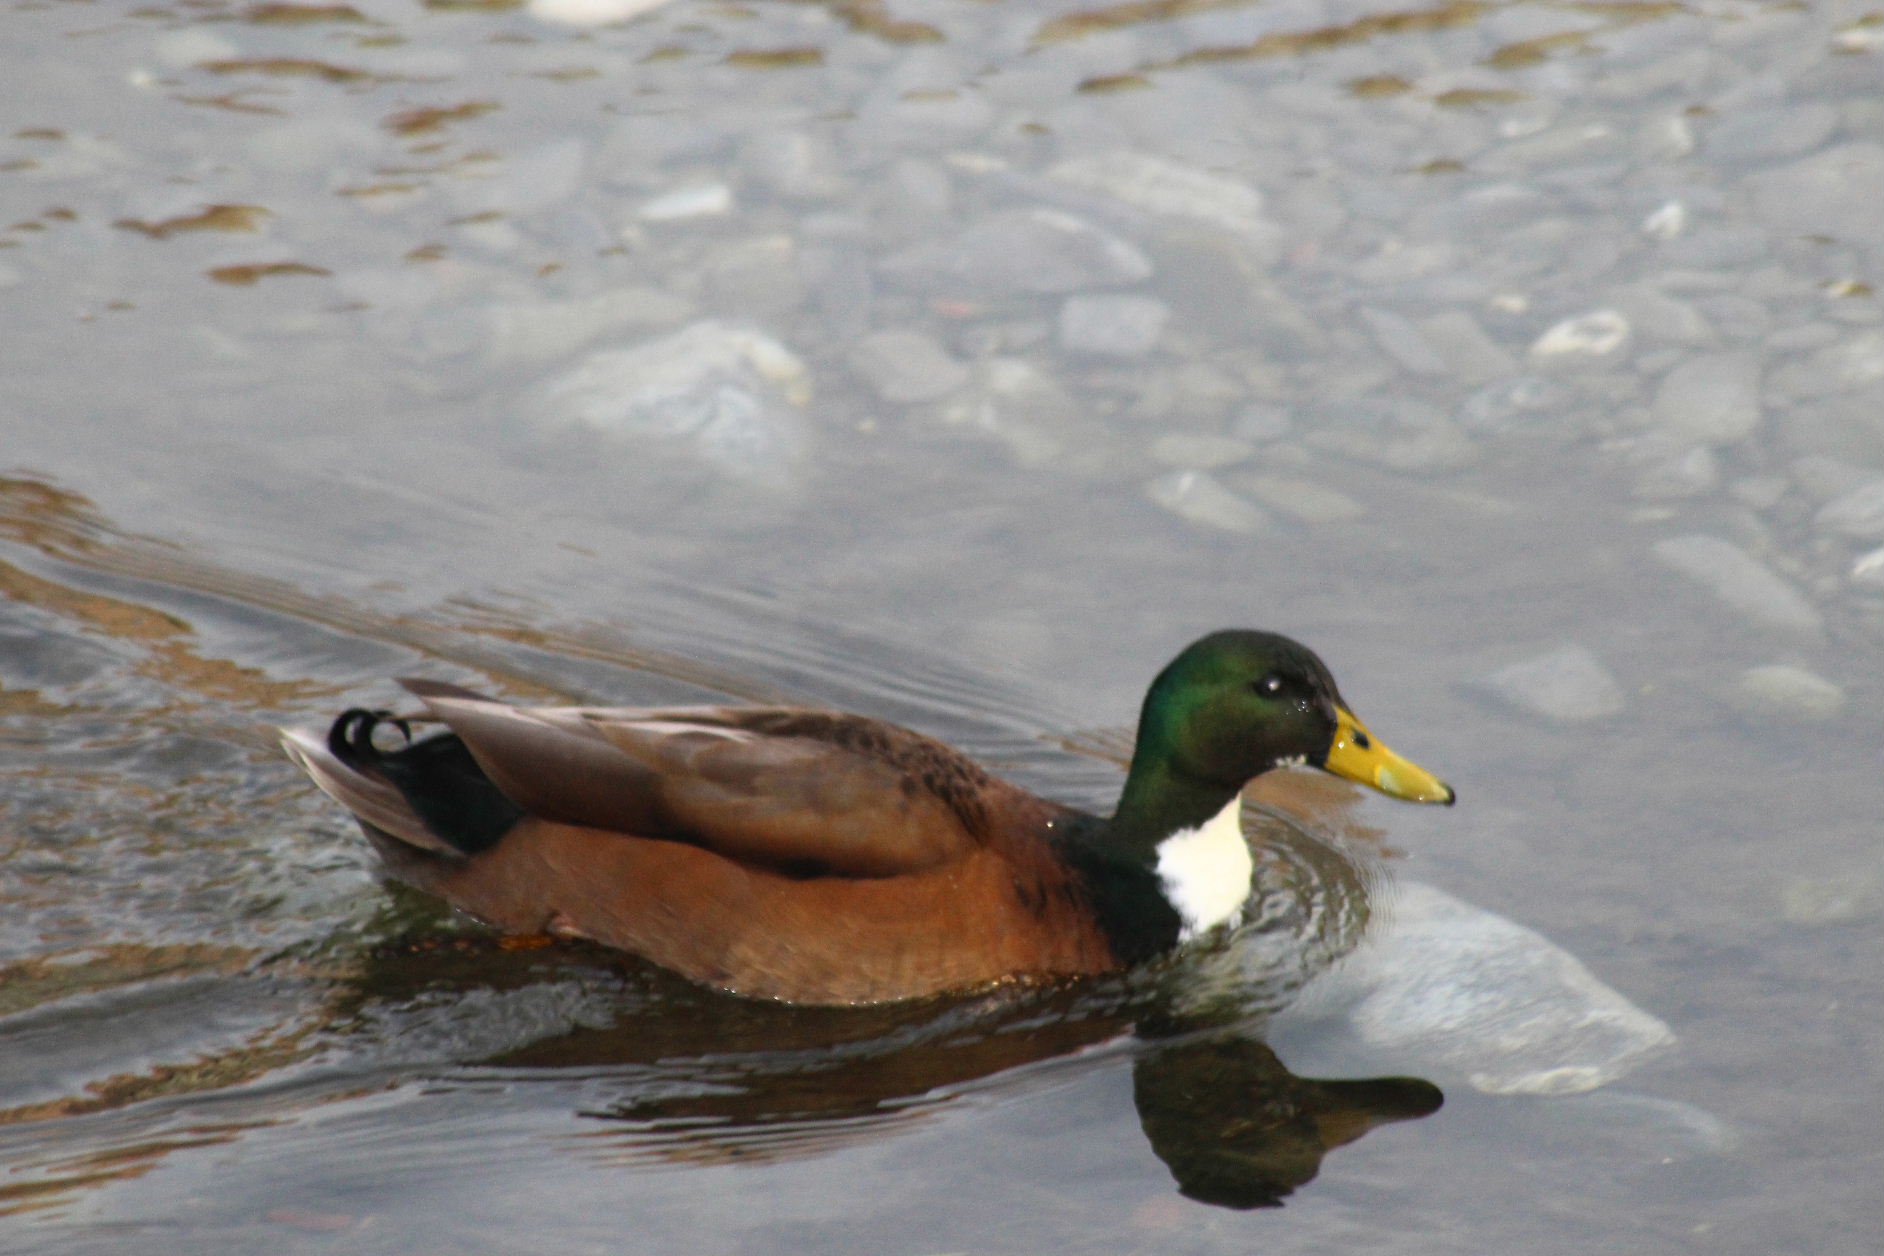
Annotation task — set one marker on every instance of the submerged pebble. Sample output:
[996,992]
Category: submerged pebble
[907,366]
[1833,193]
[1759,492]
[1404,434]
[1666,221]
[756,277]
[1833,900]
[1259,422]
[1783,691]
[1858,514]
[1711,400]
[1200,498]
[1305,501]
[1464,348]
[1600,335]
[1823,479]
[1042,251]
[1512,404]
[531,181]
[1568,685]
[1451,990]
[1773,132]
[1851,363]
[1688,473]
[591,12]
[1016,403]
[1868,571]
[1159,185]
[1200,453]
[538,331]
[799,165]
[730,392]
[1403,342]
[1745,584]
[1112,326]
[1659,317]
[702,200]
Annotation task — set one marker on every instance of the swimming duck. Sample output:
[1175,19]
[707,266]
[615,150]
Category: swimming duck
[818,857]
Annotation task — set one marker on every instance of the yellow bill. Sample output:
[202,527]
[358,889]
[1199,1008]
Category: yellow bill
[1359,756]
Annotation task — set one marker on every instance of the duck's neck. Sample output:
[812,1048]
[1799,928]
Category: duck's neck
[1189,833]
[1158,802]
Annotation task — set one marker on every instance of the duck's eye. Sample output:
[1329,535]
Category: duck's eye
[1269,686]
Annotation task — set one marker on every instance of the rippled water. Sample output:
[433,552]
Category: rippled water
[954,363]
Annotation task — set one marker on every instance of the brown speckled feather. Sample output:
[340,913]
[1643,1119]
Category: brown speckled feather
[796,855]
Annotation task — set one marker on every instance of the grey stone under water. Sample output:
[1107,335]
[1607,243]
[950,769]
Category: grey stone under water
[731,393]
[1566,685]
[1022,251]
[1448,990]
[1742,582]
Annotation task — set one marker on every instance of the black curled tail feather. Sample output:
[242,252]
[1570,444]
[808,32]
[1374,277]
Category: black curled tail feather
[436,776]
[351,737]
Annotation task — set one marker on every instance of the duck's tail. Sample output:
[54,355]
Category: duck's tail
[429,794]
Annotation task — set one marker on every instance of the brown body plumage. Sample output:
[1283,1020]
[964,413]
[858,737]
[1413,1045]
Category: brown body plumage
[800,855]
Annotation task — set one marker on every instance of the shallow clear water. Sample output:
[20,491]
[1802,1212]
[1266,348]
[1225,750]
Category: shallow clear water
[955,363]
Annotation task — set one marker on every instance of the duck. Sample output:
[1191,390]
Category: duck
[818,857]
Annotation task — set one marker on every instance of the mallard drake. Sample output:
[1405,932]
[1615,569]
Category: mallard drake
[819,857]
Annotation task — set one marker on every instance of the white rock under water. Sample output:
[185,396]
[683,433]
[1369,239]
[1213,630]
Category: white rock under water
[1200,498]
[1597,336]
[1713,399]
[591,12]
[1113,326]
[1445,989]
[730,392]
[1568,685]
[1160,186]
[699,200]
[1785,692]
[1834,192]
[1867,572]
[907,366]
[1304,501]
[1744,583]
[1858,514]
[1040,251]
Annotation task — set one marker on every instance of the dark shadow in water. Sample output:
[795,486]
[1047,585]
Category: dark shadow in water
[683,1075]
[1238,1129]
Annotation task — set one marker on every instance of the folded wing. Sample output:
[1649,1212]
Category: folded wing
[806,793]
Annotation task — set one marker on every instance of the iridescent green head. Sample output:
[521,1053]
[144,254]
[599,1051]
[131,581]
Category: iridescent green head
[1234,705]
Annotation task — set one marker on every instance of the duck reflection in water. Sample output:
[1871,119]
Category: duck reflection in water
[1236,1128]
[688,1076]
[1229,1120]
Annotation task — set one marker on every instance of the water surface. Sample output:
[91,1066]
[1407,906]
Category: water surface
[955,363]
